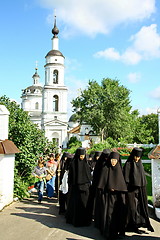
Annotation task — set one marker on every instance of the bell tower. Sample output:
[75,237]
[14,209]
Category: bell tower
[54,95]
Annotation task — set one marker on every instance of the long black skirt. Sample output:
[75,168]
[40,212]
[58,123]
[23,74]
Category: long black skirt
[77,213]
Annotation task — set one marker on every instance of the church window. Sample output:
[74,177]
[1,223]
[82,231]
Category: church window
[36,105]
[55,103]
[46,75]
[55,76]
[35,81]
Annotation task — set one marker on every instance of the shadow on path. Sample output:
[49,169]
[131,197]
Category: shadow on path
[47,214]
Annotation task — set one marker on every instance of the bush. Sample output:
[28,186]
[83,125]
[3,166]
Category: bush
[20,186]
[74,142]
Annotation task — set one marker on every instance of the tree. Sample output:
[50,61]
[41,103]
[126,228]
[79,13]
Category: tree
[30,140]
[146,130]
[106,108]
[74,142]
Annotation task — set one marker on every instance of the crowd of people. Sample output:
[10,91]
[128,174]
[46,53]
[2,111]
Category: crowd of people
[97,188]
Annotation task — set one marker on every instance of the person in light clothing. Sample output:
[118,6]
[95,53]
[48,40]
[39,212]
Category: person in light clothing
[40,173]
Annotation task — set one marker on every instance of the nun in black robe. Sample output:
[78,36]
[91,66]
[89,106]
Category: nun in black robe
[95,180]
[96,156]
[79,180]
[111,198]
[137,206]
[64,167]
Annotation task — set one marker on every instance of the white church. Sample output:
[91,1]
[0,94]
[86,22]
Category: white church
[47,105]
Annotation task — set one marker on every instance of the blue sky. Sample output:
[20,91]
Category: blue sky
[99,39]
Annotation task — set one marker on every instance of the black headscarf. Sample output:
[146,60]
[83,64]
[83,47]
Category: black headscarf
[102,159]
[63,159]
[65,163]
[79,172]
[96,154]
[94,160]
[98,167]
[112,176]
[134,171]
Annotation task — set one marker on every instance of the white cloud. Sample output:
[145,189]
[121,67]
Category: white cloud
[147,42]
[109,53]
[92,17]
[134,77]
[74,87]
[148,110]
[155,93]
[145,45]
[72,65]
[131,57]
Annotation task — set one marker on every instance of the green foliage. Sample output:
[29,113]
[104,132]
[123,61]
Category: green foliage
[71,150]
[146,129]
[147,168]
[106,108]
[149,185]
[146,151]
[109,143]
[30,140]
[20,186]
[74,142]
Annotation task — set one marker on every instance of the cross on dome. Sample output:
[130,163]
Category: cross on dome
[55,30]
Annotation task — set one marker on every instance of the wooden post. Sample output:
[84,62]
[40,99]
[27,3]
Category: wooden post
[59,173]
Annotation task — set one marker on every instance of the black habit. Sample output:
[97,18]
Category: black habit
[137,205]
[95,180]
[110,207]
[64,167]
[79,180]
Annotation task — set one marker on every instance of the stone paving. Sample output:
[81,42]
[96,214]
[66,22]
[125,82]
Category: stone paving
[28,220]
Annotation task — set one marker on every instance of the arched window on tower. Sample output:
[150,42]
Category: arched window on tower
[55,76]
[55,103]
[36,105]
[45,75]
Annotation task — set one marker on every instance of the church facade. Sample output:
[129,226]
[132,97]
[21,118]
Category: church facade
[47,105]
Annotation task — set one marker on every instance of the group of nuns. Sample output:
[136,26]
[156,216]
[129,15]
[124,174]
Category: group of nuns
[101,190]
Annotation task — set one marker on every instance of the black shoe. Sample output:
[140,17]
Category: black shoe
[150,228]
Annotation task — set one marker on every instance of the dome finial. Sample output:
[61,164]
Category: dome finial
[55,30]
[36,68]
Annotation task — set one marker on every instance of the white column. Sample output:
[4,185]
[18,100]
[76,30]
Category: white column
[55,43]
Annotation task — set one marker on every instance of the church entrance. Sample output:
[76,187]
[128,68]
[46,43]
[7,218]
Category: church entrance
[55,138]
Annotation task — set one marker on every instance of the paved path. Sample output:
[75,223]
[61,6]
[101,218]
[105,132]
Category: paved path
[28,220]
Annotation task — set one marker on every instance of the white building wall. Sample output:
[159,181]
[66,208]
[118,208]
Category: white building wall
[6,163]
[49,69]
[59,132]
[28,103]
[48,113]
[6,186]
[156,185]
